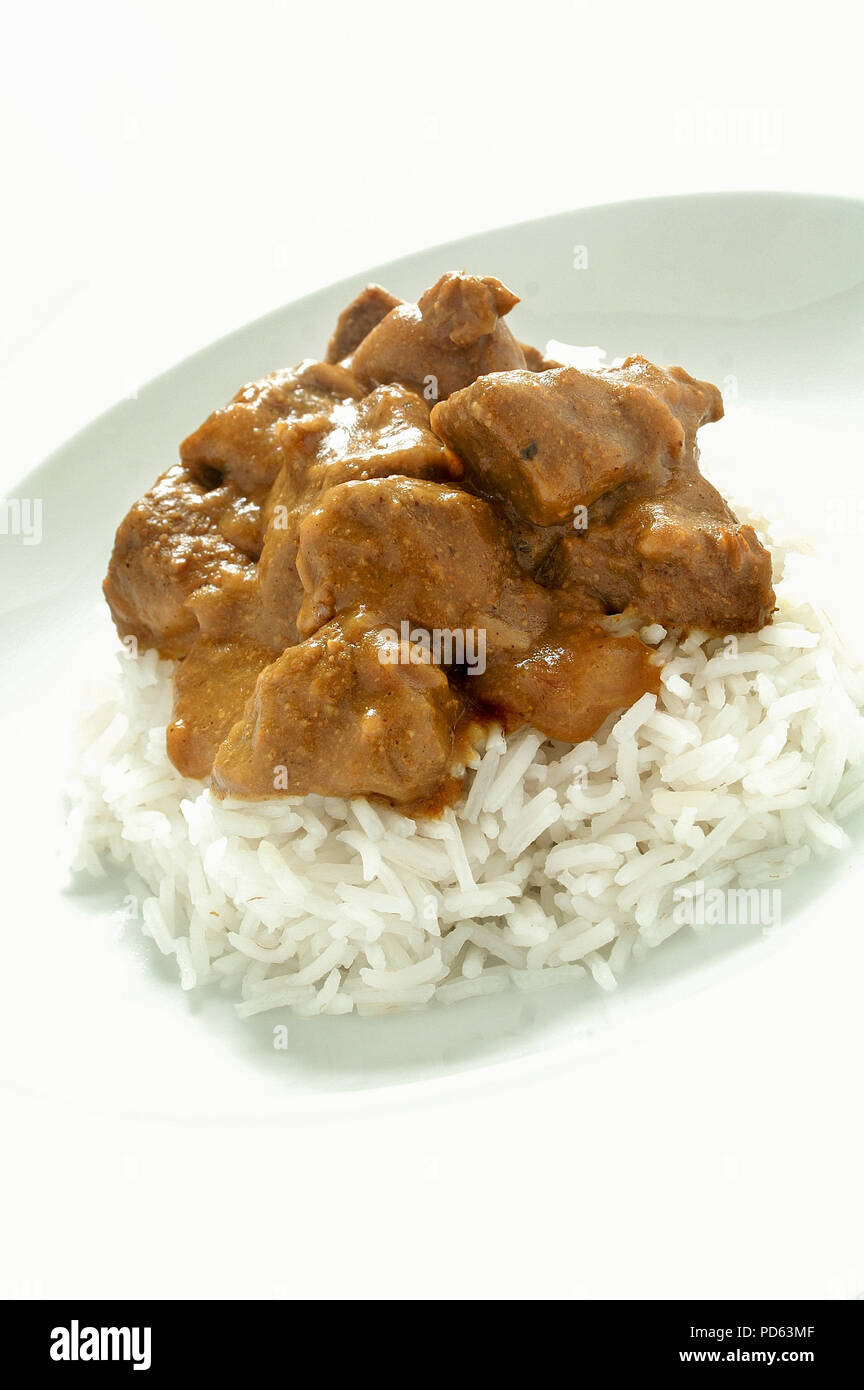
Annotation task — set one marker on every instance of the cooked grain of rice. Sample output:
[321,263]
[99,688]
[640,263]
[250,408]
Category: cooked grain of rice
[557,864]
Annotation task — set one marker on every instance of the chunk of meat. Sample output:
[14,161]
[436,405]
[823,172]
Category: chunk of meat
[386,433]
[570,681]
[462,309]
[177,539]
[399,539]
[232,611]
[244,439]
[453,334]
[678,557]
[548,442]
[431,554]
[339,715]
[359,318]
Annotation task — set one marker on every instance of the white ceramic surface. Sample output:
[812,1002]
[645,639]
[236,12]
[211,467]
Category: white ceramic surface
[762,292]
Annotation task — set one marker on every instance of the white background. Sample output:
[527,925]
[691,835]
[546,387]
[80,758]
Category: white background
[174,169]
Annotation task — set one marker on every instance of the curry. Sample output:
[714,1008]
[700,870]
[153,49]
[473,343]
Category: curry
[431,476]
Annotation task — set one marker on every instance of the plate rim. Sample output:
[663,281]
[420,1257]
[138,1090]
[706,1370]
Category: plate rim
[724,196]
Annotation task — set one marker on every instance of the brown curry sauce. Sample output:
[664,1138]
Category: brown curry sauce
[436,472]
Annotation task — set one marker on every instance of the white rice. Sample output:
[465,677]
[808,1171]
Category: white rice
[558,862]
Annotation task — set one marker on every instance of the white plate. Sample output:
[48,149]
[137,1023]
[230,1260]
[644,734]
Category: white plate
[764,293]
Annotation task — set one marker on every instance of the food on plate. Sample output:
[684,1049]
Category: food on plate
[445,668]
[428,478]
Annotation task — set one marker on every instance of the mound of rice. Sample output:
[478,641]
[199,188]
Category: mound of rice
[558,862]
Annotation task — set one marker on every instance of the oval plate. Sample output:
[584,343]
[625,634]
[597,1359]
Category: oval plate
[764,293]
